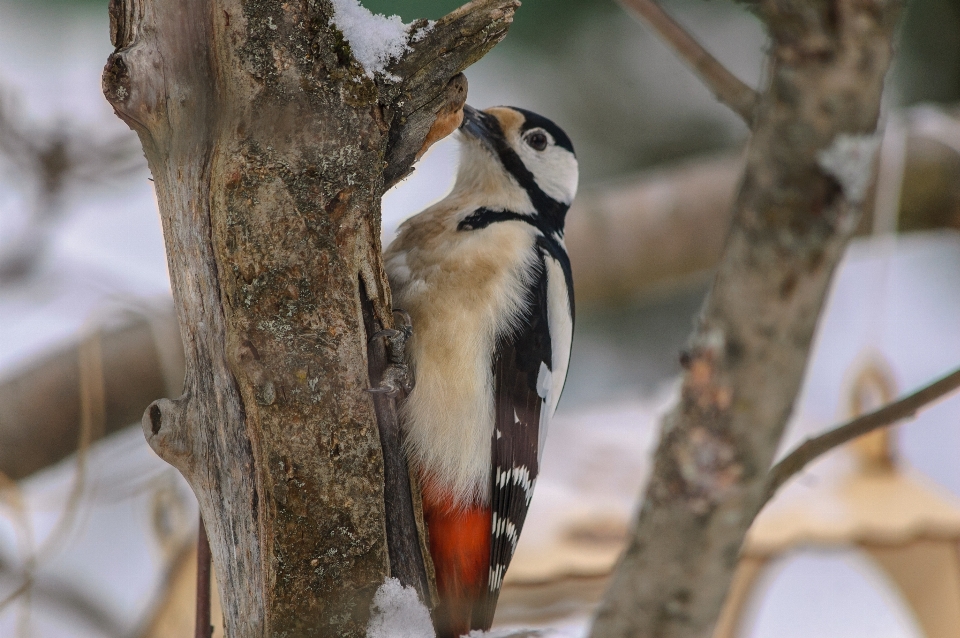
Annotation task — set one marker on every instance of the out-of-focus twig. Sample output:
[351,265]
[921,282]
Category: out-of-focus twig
[727,87]
[889,414]
[49,158]
[92,416]
[67,598]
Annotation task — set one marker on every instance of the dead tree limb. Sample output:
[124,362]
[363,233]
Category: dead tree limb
[808,165]
[40,405]
[727,87]
[271,137]
[657,230]
[889,414]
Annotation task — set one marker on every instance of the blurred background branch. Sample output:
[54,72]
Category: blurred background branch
[40,405]
[886,416]
[728,88]
[53,158]
[793,217]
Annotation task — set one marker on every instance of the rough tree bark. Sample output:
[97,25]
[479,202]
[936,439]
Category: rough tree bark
[808,165]
[270,148]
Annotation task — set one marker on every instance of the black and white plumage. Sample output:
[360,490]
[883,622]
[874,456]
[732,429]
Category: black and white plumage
[486,280]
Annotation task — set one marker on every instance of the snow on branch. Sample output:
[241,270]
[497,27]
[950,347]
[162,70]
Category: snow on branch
[375,39]
[850,161]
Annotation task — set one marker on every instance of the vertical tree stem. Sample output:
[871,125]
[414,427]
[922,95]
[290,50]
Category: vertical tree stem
[204,629]
[807,166]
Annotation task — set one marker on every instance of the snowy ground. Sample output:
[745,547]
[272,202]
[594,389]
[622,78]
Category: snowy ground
[900,298]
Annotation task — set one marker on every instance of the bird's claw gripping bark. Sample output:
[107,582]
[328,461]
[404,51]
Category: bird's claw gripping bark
[396,376]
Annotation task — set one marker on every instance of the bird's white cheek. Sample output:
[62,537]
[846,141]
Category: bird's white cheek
[556,173]
[484,180]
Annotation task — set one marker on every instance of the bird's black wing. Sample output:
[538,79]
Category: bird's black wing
[518,366]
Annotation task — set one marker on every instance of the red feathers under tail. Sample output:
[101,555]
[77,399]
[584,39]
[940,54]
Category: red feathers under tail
[460,548]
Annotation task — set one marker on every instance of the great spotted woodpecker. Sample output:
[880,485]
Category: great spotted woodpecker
[485,278]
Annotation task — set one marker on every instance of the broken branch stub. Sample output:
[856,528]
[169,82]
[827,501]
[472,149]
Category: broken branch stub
[271,144]
[796,209]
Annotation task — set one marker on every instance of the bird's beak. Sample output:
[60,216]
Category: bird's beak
[476,125]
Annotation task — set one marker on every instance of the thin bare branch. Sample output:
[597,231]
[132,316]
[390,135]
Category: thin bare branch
[67,600]
[889,414]
[727,87]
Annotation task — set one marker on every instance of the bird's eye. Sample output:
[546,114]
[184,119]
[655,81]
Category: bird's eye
[537,140]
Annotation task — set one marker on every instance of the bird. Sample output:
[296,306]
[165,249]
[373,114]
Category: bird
[485,279]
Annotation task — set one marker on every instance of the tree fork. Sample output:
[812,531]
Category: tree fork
[270,149]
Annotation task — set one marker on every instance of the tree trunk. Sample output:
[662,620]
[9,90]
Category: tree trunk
[807,169]
[270,148]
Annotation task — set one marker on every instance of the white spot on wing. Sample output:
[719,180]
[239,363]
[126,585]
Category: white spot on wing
[517,475]
[496,576]
[505,527]
[543,381]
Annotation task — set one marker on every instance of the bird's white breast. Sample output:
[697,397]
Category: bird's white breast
[462,290]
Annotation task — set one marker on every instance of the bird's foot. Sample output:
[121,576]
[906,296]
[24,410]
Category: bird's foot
[396,376]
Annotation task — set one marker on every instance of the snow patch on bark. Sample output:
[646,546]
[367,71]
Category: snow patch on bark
[850,161]
[396,612]
[375,39]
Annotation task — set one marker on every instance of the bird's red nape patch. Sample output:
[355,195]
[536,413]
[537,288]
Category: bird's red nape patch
[460,548]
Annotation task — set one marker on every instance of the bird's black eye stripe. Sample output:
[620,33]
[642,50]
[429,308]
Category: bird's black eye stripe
[483,217]
[537,140]
[548,207]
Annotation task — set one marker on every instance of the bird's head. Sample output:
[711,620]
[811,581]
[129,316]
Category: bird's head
[520,160]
